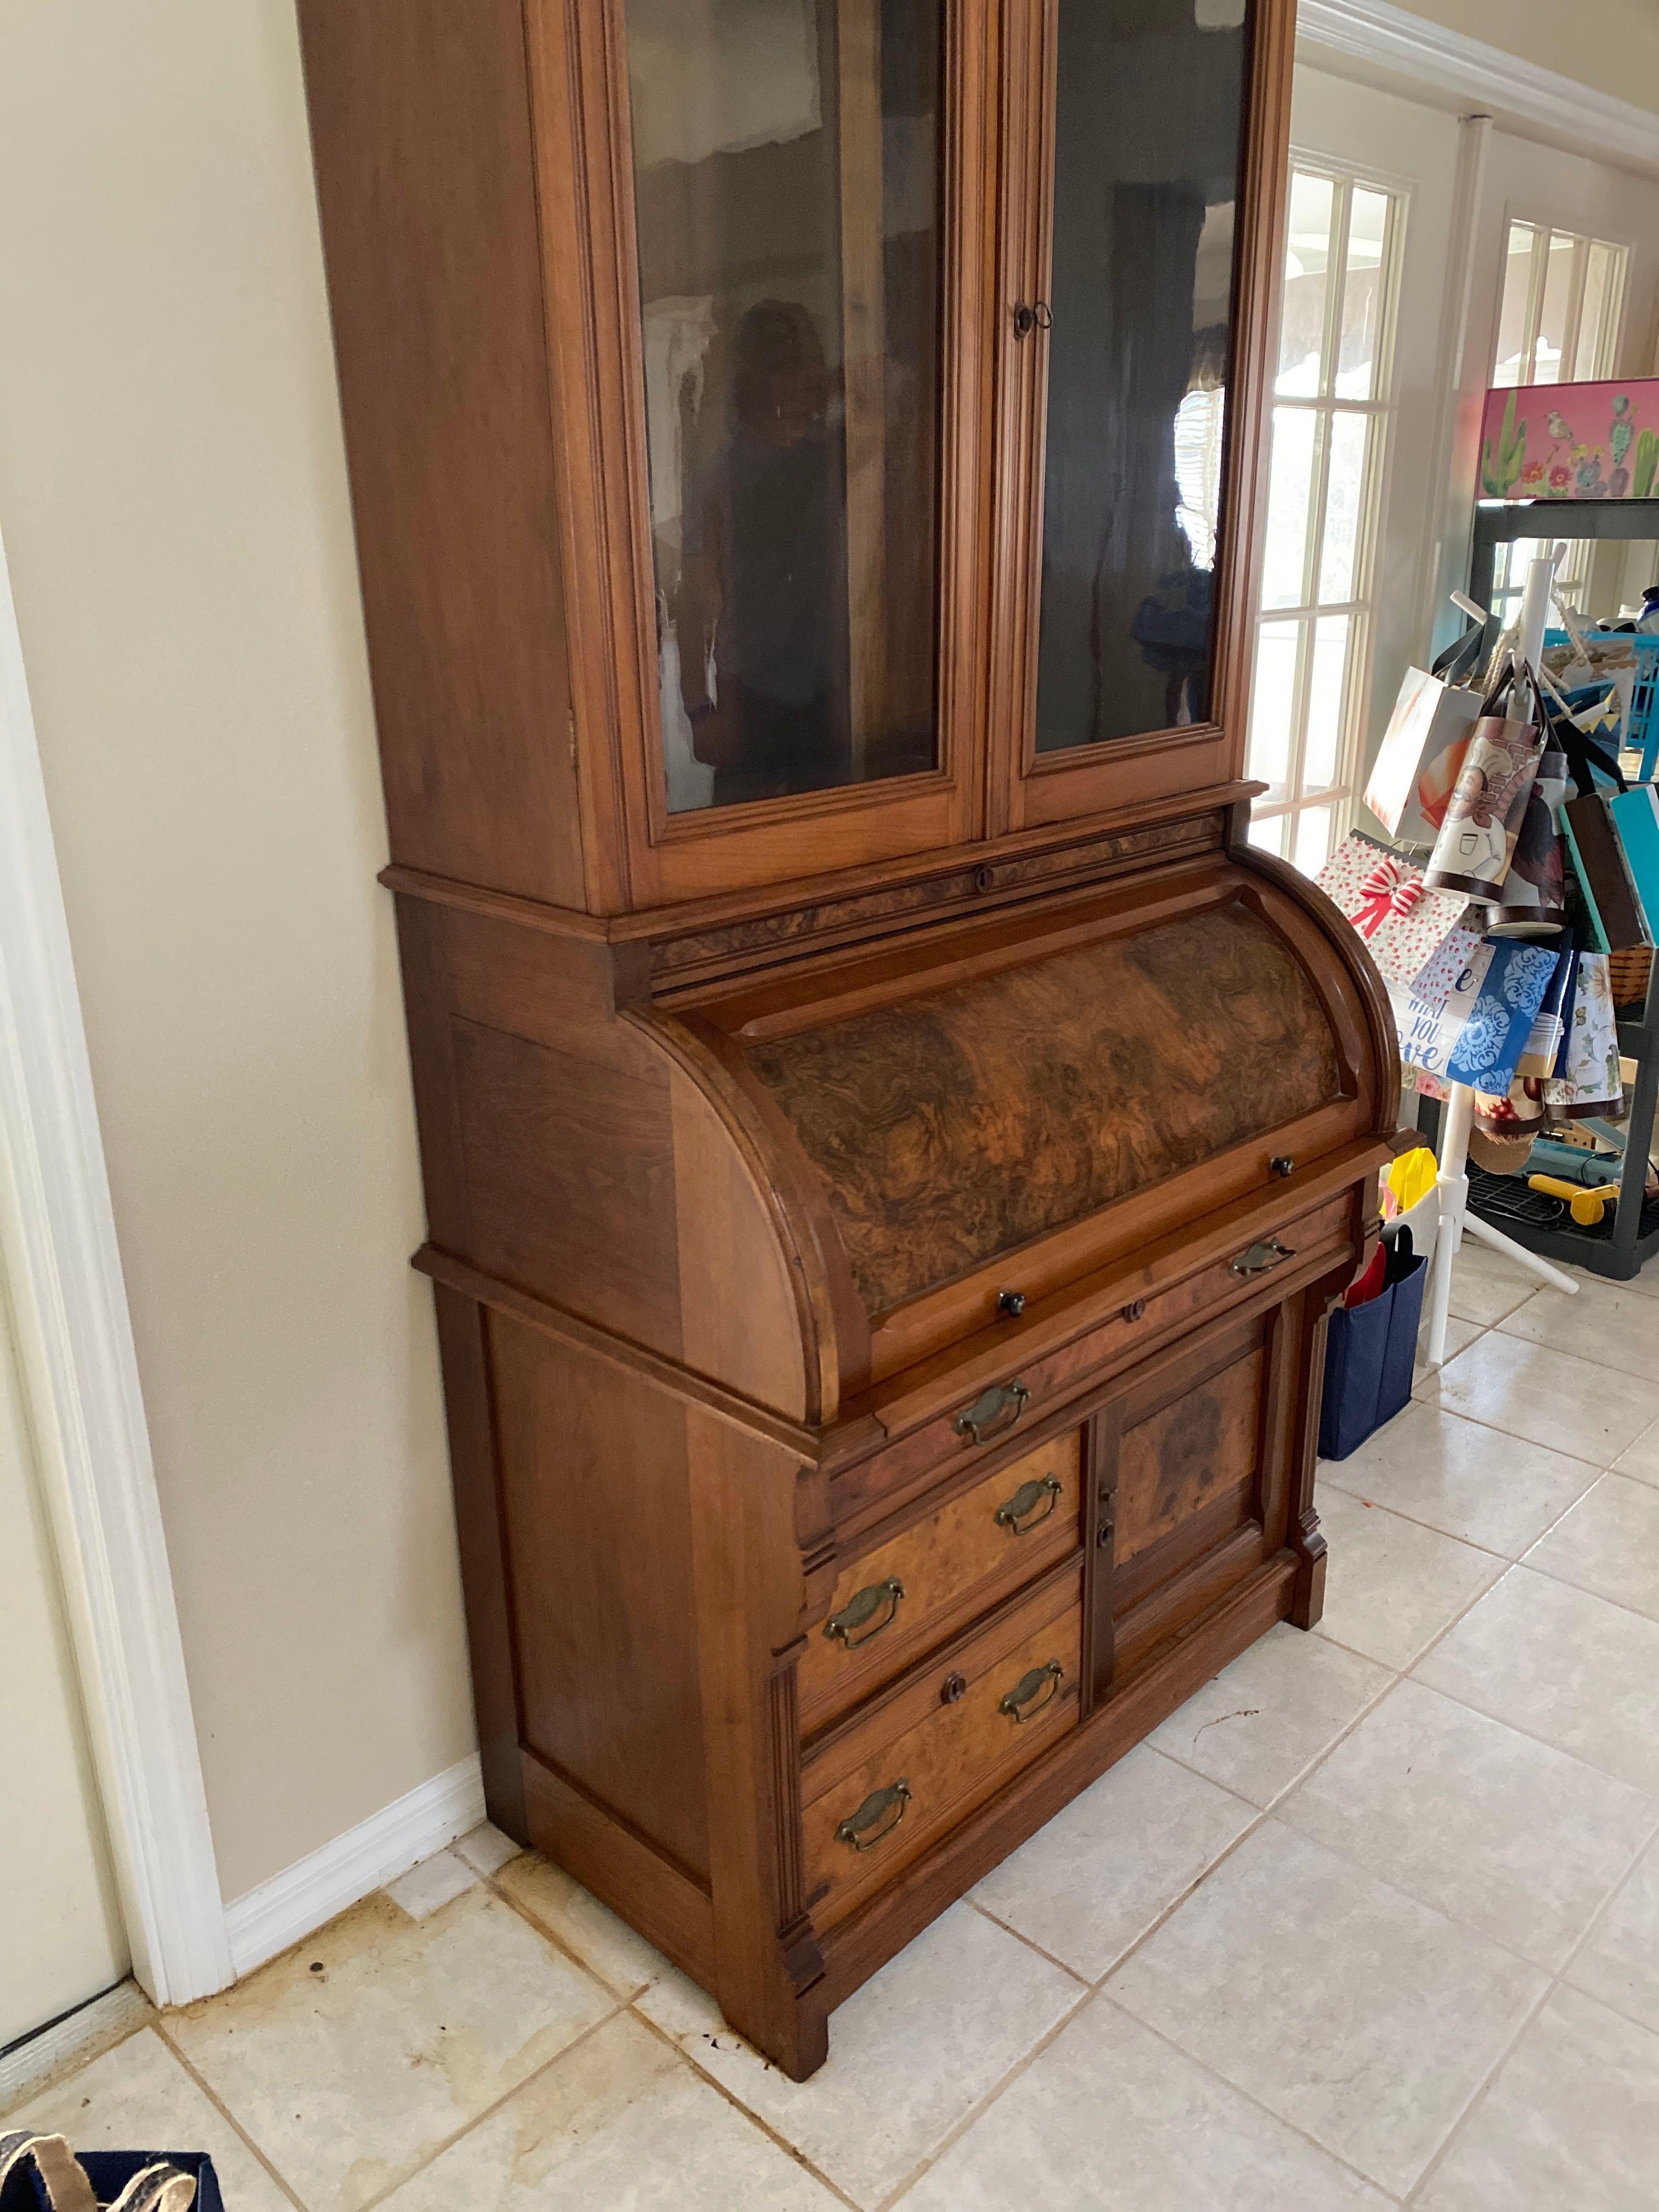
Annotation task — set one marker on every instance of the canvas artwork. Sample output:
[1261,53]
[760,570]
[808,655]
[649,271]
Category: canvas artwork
[1572,441]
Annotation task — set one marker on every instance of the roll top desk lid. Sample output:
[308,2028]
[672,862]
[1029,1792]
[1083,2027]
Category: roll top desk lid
[988,1109]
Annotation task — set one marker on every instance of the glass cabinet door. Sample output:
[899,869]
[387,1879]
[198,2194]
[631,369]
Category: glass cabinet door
[1128,337]
[800,336]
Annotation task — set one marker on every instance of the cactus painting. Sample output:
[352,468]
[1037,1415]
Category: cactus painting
[1501,469]
[1572,441]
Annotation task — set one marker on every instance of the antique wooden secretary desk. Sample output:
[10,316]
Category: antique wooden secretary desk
[890,1145]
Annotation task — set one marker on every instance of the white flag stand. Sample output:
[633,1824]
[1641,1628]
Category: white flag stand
[1453,1181]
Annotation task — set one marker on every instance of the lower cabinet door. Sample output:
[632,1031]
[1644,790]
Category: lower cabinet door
[1190,1473]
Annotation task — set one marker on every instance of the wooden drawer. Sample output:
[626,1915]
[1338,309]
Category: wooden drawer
[881,1790]
[1125,1325]
[939,1574]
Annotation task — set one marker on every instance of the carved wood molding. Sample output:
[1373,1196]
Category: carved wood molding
[1394,38]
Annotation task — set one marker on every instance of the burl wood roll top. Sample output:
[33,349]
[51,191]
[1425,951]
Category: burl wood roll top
[964,1121]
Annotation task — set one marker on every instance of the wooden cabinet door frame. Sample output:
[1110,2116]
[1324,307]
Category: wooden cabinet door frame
[637,854]
[1027,789]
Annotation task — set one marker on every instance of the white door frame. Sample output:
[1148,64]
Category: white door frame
[81,1379]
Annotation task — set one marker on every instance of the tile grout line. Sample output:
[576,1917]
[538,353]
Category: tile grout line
[1021,2066]
[460,2134]
[792,2151]
[1558,1982]
[1279,2118]
[225,2114]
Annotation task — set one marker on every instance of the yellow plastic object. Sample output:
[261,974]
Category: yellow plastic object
[1587,1205]
[1411,1177]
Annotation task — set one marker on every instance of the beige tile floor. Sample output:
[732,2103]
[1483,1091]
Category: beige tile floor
[1374,1919]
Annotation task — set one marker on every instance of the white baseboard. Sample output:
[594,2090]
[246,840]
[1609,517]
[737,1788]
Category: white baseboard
[299,1900]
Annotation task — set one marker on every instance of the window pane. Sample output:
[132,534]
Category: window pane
[1284,578]
[786,162]
[1307,258]
[1327,699]
[1550,359]
[1345,501]
[1147,138]
[1272,706]
[1312,849]
[1268,836]
[1362,296]
[1512,316]
[1603,285]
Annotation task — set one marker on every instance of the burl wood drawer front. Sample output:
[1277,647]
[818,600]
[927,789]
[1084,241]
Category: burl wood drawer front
[1130,1325]
[887,1785]
[940,1573]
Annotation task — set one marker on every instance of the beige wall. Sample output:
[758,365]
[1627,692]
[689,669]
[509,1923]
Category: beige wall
[172,494]
[1612,45]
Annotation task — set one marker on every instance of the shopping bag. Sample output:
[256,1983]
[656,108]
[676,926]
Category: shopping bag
[1594,1084]
[1478,1034]
[1383,894]
[1534,903]
[1477,841]
[1423,747]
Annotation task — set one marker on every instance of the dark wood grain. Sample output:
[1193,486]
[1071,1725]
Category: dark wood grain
[482,1542]
[734,1128]
[968,1121]
[421,124]
[596,1509]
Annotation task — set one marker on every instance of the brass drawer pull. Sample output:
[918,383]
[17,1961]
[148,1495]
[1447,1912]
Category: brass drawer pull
[1017,1702]
[860,1829]
[1026,1500]
[1259,1258]
[857,1610]
[994,1413]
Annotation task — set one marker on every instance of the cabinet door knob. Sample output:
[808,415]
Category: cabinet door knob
[1032,315]
[953,1688]
[1011,1304]
[1282,1164]
[1135,1310]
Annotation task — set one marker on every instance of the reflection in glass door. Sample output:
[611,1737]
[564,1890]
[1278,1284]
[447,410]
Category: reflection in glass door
[1147,148]
[788,218]
[1329,435]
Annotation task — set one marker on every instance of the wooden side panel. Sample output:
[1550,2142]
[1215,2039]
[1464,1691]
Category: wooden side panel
[962,1122]
[569,1167]
[420,127]
[483,1538]
[596,1504]
[738,1304]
